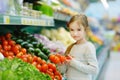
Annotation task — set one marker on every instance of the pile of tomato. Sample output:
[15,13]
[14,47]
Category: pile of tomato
[10,49]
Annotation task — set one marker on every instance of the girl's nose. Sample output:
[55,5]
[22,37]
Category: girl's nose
[75,33]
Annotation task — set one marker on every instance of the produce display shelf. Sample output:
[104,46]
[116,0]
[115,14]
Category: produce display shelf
[102,56]
[99,50]
[61,16]
[20,20]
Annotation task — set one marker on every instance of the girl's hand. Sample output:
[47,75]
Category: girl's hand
[68,59]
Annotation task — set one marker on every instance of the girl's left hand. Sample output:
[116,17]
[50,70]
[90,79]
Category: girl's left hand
[68,59]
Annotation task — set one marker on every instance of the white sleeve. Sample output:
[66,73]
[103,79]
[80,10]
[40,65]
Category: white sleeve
[62,68]
[92,64]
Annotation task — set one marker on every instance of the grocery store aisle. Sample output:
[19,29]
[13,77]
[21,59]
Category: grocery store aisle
[112,71]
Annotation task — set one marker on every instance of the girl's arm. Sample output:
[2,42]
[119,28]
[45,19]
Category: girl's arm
[92,64]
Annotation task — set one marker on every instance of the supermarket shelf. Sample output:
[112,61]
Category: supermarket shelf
[62,17]
[19,20]
[42,21]
[102,56]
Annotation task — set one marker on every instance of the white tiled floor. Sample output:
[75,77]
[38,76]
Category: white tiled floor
[112,71]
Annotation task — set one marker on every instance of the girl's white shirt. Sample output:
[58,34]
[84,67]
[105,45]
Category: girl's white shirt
[84,63]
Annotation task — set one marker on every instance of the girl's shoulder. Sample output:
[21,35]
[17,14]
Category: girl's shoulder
[90,44]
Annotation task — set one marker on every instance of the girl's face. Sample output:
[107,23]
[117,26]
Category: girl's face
[77,31]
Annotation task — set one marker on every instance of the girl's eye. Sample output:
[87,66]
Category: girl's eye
[79,29]
[71,30]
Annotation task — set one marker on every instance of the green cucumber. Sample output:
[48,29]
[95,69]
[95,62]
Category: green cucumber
[43,56]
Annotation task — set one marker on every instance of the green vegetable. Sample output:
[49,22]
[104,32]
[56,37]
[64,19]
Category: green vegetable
[28,45]
[16,69]
[34,44]
[31,50]
[46,51]
[40,45]
[43,56]
[8,75]
[19,41]
[24,43]
[37,50]
[0,74]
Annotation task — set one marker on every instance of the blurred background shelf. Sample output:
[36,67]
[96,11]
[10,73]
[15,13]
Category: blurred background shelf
[20,20]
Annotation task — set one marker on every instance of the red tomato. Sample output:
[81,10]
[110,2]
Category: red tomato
[38,67]
[2,38]
[10,57]
[30,58]
[34,59]
[15,49]
[57,77]
[34,63]
[10,53]
[50,73]
[51,57]
[5,53]
[44,67]
[11,42]
[43,62]
[25,59]
[39,60]
[57,73]
[5,42]
[52,77]
[19,54]
[0,46]
[62,59]
[23,50]
[56,60]
[8,35]
[18,45]
[5,47]
[51,70]
[8,47]
[2,51]
[52,66]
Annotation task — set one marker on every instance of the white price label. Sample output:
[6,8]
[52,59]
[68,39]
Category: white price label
[42,22]
[6,19]
[49,23]
[30,22]
[23,21]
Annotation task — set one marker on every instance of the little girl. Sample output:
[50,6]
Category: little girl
[83,63]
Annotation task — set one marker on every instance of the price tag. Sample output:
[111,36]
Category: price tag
[30,22]
[49,23]
[23,21]
[6,20]
[34,22]
[42,22]
[37,22]
[26,21]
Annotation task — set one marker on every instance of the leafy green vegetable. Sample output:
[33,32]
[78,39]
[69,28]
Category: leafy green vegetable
[16,69]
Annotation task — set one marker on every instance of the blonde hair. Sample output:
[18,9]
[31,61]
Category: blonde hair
[81,19]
